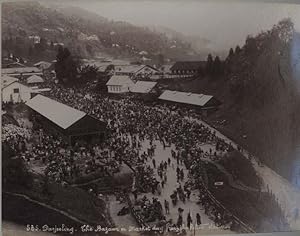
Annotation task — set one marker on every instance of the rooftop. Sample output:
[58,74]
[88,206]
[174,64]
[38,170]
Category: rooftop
[35,79]
[188,65]
[142,87]
[184,97]
[59,113]
[7,80]
[120,80]
[131,68]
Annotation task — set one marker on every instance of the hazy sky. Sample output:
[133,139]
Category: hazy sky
[226,23]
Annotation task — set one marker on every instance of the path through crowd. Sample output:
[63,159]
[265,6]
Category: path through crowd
[162,155]
[287,195]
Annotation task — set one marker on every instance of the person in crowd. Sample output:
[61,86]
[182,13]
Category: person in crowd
[198,219]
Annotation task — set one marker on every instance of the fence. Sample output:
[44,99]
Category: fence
[244,226]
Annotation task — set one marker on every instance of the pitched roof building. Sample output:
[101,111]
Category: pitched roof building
[119,84]
[143,87]
[134,70]
[35,79]
[64,120]
[200,100]
[6,80]
[188,67]
[16,92]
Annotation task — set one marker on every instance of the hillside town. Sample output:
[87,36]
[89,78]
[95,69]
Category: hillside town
[139,145]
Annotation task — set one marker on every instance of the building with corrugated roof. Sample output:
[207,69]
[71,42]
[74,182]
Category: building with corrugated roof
[135,70]
[119,84]
[188,67]
[71,124]
[143,87]
[190,100]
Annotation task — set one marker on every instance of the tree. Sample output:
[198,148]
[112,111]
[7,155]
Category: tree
[160,59]
[66,66]
[43,44]
[217,66]
[109,69]
[89,73]
[30,51]
[89,49]
[237,49]
[250,45]
[230,55]
[209,64]
[14,169]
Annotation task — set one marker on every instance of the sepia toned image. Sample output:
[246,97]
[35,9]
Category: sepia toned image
[170,117]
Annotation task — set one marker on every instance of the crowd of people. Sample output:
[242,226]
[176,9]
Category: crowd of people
[129,124]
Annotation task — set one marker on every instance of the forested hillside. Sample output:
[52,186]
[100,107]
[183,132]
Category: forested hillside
[85,34]
[259,89]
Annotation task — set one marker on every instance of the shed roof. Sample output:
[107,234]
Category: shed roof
[59,113]
[142,87]
[188,65]
[187,98]
[120,80]
[35,79]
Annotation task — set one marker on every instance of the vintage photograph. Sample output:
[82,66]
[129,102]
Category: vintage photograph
[170,117]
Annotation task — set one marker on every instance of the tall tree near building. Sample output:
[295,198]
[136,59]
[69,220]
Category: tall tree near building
[89,73]
[217,66]
[230,53]
[160,59]
[67,67]
[237,49]
[209,64]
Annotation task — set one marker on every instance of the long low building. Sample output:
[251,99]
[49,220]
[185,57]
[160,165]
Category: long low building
[202,101]
[73,125]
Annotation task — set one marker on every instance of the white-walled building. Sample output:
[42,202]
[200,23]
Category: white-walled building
[6,80]
[119,84]
[16,92]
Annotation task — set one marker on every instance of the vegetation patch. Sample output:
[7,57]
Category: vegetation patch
[241,169]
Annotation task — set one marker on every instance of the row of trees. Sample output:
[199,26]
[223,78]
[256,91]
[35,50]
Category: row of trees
[214,67]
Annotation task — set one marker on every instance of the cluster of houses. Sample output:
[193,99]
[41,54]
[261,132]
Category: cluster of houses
[131,80]
[19,83]
[123,84]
